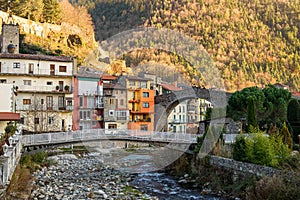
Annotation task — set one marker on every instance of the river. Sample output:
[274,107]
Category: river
[109,174]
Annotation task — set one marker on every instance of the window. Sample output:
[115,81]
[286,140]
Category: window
[131,83]
[121,115]
[111,101]
[144,127]
[2,80]
[145,105]
[26,101]
[145,94]
[51,120]
[30,68]
[121,102]
[85,115]
[62,68]
[143,84]
[16,65]
[61,102]
[91,102]
[36,120]
[22,120]
[80,101]
[27,82]
[49,83]
[49,102]
[42,101]
[112,126]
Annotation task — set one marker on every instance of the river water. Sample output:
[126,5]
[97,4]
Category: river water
[166,187]
[147,179]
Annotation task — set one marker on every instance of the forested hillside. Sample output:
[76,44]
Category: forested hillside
[253,42]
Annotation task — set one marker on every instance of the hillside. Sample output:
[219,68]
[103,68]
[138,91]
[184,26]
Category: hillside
[52,27]
[252,42]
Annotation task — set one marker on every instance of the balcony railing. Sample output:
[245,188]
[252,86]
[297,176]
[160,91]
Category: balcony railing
[25,70]
[30,88]
[44,108]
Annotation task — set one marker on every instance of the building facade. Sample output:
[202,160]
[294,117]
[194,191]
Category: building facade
[7,106]
[140,102]
[88,99]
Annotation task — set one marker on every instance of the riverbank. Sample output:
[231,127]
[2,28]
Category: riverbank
[91,176]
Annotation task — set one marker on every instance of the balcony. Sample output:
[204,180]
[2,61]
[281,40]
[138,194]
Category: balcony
[44,108]
[134,101]
[36,72]
[42,89]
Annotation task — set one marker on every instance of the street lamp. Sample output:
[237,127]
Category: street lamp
[5,149]
[10,140]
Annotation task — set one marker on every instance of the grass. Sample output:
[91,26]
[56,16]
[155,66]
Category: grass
[20,184]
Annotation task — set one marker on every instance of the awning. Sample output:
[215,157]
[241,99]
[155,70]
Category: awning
[9,116]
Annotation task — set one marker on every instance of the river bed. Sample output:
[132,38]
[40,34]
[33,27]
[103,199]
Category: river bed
[109,174]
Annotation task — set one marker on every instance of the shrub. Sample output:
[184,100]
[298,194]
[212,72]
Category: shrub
[260,149]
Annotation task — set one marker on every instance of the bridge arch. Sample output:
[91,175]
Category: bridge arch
[164,104]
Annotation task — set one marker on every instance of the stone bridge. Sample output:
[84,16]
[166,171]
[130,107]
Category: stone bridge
[164,104]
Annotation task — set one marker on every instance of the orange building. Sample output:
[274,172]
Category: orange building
[140,102]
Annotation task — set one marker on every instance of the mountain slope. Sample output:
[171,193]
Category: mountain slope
[252,42]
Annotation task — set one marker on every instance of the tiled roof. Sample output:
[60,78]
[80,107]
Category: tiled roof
[7,116]
[108,77]
[170,87]
[89,72]
[138,78]
[36,57]
[113,86]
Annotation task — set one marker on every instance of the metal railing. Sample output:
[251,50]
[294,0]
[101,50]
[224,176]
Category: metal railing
[106,134]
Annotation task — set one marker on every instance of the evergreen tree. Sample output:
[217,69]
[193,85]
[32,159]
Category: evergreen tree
[286,136]
[251,118]
[293,117]
[51,11]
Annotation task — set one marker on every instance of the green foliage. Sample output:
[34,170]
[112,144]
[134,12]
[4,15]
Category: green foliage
[286,136]
[238,103]
[293,117]
[10,129]
[239,149]
[34,161]
[270,104]
[251,118]
[259,149]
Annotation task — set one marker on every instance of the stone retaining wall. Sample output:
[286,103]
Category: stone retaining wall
[242,167]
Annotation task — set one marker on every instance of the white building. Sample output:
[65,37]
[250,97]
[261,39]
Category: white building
[44,85]
[7,106]
[177,120]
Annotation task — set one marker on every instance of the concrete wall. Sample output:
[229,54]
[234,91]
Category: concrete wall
[6,98]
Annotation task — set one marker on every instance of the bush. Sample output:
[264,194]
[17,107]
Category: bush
[260,149]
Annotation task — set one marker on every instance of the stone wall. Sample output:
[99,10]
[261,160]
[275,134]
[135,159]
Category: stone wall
[243,168]
[9,162]
[37,28]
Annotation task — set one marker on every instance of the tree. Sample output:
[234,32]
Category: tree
[286,136]
[238,103]
[293,117]
[51,11]
[276,101]
[251,118]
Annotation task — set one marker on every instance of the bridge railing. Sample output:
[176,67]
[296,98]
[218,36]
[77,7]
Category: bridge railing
[96,134]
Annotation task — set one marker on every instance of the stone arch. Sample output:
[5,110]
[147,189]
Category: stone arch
[164,104]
